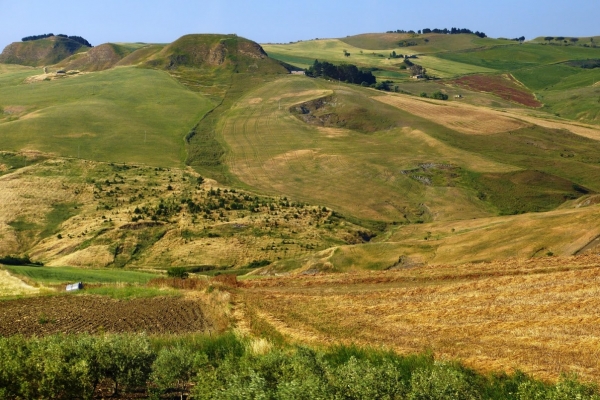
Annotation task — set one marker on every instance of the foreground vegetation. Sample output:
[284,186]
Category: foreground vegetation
[226,367]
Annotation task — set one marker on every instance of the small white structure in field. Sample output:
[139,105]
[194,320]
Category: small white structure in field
[74,286]
[458,96]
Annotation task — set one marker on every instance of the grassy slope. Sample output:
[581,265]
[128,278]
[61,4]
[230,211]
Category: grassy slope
[373,50]
[303,54]
[567,91]
[41,52]
[429,43]
[511,58]
[121,115]
[58,275]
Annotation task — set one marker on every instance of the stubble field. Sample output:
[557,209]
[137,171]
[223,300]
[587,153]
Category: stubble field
[536,315]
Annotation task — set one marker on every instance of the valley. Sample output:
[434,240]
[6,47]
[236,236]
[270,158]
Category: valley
[208,186]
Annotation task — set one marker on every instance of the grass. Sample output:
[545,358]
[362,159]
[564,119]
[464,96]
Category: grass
[332,165]
[124,114]
[59,275]
[442,68]
[434,43]
[546,76]
[511,58]
[129,292]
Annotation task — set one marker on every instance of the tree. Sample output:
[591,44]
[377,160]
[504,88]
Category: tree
[175,367]
[177,272]
[416,69]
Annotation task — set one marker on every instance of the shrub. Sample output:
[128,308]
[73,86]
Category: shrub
[439,96]
[177,272]
[175,367]
[441,382]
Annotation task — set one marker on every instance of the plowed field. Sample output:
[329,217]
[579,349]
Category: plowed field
[504,86]
[73,314]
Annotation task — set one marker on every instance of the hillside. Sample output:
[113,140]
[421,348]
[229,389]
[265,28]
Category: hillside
[449,210]
[100,58]
[400,167]
[42,52]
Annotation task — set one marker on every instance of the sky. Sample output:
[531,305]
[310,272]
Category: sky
[282,21]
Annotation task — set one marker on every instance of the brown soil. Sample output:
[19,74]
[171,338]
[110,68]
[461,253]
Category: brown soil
[73,314]
[504,86]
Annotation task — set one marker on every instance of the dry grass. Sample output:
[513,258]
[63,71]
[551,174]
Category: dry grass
[460,117]
[588,131]
[538,315]
[12,286]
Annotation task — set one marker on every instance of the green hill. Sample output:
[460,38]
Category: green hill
[123,115]
[221,107]
[226,51]
[40,52]
[97,58]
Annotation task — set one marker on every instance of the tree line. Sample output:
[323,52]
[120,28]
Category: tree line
[445,31]
[77,39]
[344,72]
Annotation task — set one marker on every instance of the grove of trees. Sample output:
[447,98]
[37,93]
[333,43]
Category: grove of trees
[343,72]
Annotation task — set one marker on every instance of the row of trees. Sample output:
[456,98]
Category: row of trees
[446,31]
[344,72]
[225,367]
[454,31]
[77,39]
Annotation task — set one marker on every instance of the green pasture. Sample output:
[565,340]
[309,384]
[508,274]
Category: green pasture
[59,275]
[303,54]
[273,151]
[442,68]
[129,292]
[578,104]
[429,43]
[120,115]
[545,76]
[512,58]
[332,50]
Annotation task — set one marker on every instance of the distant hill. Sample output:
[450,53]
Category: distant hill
[108,55]
[210,50]
[36,53]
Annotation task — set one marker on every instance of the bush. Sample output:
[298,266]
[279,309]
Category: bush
[439,96]
[441,382]
[175,367]
[177,272]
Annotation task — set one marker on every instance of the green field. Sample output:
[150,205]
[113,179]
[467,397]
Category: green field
[429,43]
[512,58]
[59,275]
[120,115]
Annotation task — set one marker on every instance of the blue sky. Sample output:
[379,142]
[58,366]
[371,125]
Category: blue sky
[104,21]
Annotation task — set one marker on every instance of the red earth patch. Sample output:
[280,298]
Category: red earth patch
[504,86]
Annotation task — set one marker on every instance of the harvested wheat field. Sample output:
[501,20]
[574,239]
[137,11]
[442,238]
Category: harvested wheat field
[537,315]
[462,118]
